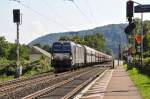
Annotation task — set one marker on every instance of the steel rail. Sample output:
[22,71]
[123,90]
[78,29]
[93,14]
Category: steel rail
[5,83]
[78,88]
[41,92]
[29,81]
[40,84]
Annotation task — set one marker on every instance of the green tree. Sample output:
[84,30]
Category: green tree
[78,39]
[8,50]
[4,47]
[24,52]
[12,53]
[96,41]
[138,26]
[47,48]
[146,40]
[64,38]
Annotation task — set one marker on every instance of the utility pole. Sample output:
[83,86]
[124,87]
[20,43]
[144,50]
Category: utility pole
[142,39]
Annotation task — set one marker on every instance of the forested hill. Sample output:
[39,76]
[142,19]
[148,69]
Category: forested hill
[112,33]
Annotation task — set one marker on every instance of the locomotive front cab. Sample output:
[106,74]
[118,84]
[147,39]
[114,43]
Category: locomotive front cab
[61,56]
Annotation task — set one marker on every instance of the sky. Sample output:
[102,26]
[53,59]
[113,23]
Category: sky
[41,17]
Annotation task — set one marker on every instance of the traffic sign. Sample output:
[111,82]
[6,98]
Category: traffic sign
[142,8]
[138,38]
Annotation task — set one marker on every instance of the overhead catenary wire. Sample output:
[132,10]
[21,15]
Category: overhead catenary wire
[54,13]
[40,14]
[82,13]
[91,12]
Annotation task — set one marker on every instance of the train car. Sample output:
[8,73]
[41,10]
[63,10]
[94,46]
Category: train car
[78,58]
[108,58]
[99,57]
[67,55]
[89,55]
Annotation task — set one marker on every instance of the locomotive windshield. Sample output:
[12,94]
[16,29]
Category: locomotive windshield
[61,47]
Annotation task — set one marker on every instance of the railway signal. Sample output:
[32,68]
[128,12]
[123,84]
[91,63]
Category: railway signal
[129,10]
[128,30]
[129,14]
[16,19]
[16,15]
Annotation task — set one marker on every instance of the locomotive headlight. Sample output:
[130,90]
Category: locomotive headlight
[71,57]
[52,57]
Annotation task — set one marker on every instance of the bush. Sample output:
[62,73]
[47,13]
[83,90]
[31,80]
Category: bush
[4,62]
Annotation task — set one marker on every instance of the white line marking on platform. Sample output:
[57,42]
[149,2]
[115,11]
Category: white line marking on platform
[98,85]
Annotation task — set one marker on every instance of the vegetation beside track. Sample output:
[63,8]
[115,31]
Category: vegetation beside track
[142,81]
[29,70]
[8,61]
[6,78]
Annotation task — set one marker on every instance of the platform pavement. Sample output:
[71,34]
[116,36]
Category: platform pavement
[121,86]
[115,84]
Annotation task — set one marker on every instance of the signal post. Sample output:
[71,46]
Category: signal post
[16,19]
[129,30]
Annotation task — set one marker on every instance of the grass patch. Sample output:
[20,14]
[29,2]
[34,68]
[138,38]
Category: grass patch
[30,74]
[6,78]
[141,81]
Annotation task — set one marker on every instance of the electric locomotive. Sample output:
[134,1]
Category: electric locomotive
[67,55]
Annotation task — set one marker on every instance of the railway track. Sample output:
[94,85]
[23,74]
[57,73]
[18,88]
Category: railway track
[18,90]
[68,87]
[18,84]
[5,83]
[12,85]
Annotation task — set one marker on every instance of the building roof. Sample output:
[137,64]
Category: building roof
[38,50]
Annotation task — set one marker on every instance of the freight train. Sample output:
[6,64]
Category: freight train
[67,55]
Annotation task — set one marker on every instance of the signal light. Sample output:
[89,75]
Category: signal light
[16,15]
[128,30]
[130,5]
